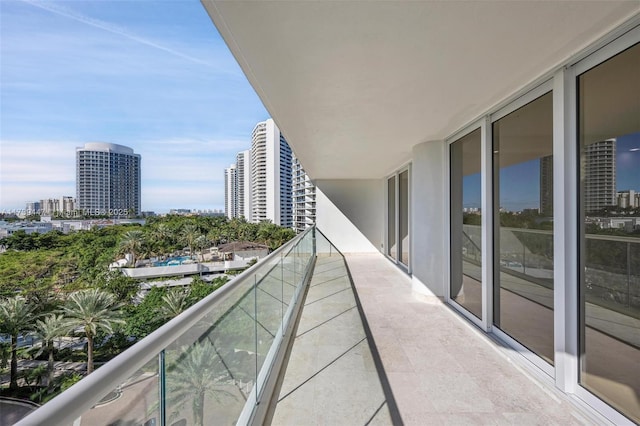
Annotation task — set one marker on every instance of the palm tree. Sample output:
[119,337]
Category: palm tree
[92,310]
[16,317]
[163,237]
[52,327]
[189,235]
[131,243]
[201,243]
[196,376]
[173,303]
[214,236]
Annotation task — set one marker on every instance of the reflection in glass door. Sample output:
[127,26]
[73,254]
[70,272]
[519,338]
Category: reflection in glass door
[392,248]
[466,219]
[609,138]
[403,217]
[523,225]
[398,240]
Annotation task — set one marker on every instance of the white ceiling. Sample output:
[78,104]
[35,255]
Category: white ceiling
[354,85]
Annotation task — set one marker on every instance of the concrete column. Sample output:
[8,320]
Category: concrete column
[429,199]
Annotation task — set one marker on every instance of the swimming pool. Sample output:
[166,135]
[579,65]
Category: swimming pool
[173,261]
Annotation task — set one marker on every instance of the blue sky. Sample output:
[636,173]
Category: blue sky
[152,75]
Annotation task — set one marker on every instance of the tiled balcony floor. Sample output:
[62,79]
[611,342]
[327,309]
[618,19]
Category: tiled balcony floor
[440,369]
[331,377]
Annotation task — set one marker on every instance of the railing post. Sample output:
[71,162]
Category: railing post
[255,333]
[629,274]
[524,258]
[162,385]
[282,325]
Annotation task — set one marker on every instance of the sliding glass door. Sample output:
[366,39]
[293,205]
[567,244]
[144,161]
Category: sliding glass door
[398,240]
[523,225]
[609,143]
[466,218]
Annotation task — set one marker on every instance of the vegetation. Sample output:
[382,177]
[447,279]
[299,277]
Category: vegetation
[195,377]
[92,310]
[50,328]
[16,317]
[55,285]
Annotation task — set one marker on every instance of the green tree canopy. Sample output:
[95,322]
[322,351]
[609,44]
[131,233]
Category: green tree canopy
[16,318]
[92,310]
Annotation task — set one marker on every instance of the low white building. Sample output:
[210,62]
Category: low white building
[9,228]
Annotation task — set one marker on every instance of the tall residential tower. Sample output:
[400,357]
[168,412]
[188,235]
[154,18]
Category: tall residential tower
[270,175]
[304,198]
[600,175]
[243,165]
[107,179]
[231,191]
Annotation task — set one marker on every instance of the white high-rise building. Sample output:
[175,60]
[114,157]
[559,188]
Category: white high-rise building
[49,206]
[600,175]
[270,175]
[67,204]
[107,179]
[243,165]
[231,191]
[304,198]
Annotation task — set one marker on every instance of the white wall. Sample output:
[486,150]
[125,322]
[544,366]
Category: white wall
[351,213]
[428,222]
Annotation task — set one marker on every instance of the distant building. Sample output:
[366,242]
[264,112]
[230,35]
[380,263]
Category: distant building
[182,212]
[231,191]
[304,198]
[627,224]
[546,185]
[628,198]
[599,164]
[9,228]
[108,180]
[67,205]
[270,175]
[242,250]
[49,206]
[32,207]
[243,165]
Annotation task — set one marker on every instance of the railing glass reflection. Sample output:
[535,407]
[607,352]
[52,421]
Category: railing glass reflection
[612,270]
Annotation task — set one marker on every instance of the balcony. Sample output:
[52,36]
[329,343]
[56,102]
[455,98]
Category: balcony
[309,336]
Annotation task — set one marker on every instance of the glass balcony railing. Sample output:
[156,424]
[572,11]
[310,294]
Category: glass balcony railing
[218,360]
[611,272]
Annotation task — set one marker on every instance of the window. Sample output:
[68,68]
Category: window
[398,240]
[609,175]
[523,225]
[466,217]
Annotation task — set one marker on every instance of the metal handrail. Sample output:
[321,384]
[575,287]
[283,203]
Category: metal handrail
[78,399]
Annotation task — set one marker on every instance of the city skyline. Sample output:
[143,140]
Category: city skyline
[521,182]
[156,77]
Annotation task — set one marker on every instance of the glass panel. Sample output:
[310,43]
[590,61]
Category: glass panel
[466,219]
[609,124]
[403,213]
[523,212]
[215,370]
[211,369]
[135,401]
[392,249]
